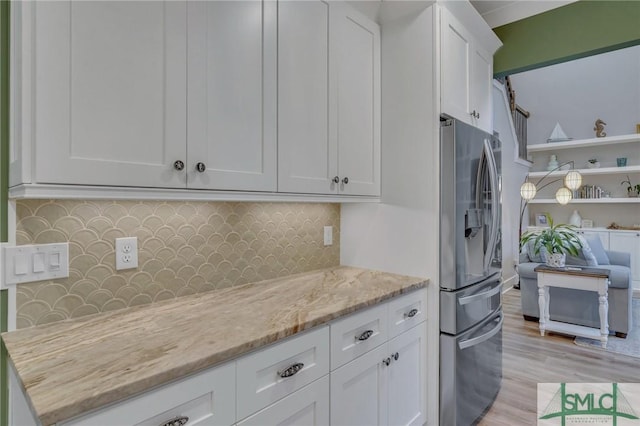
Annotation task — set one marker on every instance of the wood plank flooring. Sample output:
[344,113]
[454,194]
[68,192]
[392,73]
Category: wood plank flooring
[529,359]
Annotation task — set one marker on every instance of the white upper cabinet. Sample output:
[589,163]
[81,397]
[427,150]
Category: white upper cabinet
[220,95]
[358,114]
[307,147]
[109,92]
[466,73]
[328,100]
[232,95]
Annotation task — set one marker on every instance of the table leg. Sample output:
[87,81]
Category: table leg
[604,314]
[542,307]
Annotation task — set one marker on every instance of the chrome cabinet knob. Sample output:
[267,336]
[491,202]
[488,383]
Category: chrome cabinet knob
[178,165]
[386,361]
[345,180]
[336,179]
[201,167]
[395,356]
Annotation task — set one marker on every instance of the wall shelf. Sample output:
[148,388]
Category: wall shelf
[589,201]
[584,143]
[599,171]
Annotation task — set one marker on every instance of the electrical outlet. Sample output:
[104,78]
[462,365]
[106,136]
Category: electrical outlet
[126,253]
[328,235]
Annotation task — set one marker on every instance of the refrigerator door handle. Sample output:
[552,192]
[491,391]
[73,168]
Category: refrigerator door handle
[495,199]
[488,335]
[485,295]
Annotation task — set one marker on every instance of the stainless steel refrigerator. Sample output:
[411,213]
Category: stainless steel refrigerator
[470,273]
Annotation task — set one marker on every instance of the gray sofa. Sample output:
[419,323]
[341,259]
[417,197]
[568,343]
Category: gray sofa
[581,307]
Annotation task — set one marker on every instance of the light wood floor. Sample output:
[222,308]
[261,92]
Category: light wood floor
[529,359]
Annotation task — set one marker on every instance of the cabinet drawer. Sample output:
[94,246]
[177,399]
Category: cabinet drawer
[308,406]
[406,311]
[206,398]
[260,375]
[357,334]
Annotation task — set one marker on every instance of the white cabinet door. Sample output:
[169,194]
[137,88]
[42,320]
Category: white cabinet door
[358,113]
[628,242]
[206,398]
[232,95]
[359,390]
[110,92]
[328,99]
[307,141]
[456,57]
[481,88]
[308,406]
[466,75]
[407,377]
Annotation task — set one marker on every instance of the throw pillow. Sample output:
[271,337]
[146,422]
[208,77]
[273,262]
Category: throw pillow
[585,256]
[530,249]
[598,250]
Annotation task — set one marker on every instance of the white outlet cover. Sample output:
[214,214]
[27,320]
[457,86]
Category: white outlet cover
[126,253]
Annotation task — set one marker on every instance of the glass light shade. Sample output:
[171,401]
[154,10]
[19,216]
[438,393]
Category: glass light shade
[563,195]
[528,191]
[573,180]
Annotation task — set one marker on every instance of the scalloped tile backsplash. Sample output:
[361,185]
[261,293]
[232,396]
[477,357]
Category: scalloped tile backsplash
[183,247]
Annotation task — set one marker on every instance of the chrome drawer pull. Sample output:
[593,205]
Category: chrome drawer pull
[412,313]
[395,356]
[365,335]
[291,370]
[178,421]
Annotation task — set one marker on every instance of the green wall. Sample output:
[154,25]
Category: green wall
[579,29]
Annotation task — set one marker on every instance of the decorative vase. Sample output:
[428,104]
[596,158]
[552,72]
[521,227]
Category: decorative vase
[555,260]
[553,162]
[575,219]
[595,165]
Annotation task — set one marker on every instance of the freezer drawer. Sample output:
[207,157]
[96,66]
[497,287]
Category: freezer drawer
[470,372]
[464,308]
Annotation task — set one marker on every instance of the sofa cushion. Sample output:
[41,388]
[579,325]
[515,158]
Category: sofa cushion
[598,250]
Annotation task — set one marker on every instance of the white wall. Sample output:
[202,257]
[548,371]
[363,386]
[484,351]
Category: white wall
[513,174]
[576,93]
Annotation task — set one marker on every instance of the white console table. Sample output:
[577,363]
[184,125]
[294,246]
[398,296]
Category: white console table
[589,279]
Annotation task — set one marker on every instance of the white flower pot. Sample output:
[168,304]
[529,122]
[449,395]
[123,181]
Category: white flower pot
[556,260]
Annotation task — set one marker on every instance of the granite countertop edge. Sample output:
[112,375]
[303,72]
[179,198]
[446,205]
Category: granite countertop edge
[157,378]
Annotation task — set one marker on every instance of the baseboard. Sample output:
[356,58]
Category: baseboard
[510,282]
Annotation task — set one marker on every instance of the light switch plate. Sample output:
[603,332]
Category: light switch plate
[328,235]
[36,262]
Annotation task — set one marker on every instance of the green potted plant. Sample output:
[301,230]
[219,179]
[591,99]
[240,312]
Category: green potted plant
[557,240]
[632,190]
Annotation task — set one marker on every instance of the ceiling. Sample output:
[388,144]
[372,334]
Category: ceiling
[501,12]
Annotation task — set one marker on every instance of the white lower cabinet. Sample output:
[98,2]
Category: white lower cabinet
[407,377]
[386,386]
[308,406]
[207,398]
[359,390]
[269,374]
[368,379]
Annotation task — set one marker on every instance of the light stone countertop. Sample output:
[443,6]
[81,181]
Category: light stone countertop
[74,366]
